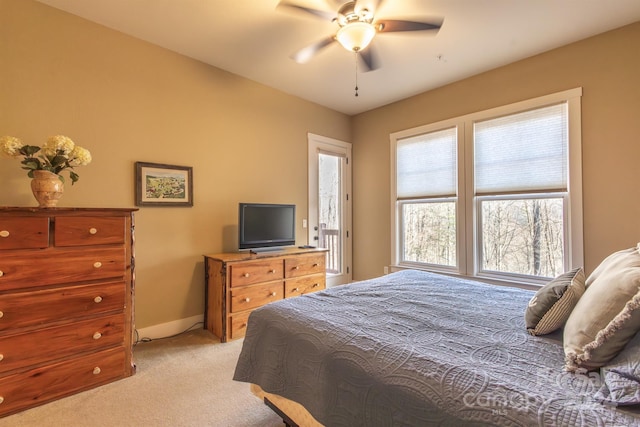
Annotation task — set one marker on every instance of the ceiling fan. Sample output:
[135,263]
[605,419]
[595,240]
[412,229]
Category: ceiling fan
[356,29]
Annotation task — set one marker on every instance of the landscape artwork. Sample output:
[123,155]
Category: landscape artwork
[163,185]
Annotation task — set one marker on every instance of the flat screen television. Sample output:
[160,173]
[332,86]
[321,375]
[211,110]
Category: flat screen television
[263,226]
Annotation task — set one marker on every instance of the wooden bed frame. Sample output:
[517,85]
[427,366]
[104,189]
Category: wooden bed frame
[292,413]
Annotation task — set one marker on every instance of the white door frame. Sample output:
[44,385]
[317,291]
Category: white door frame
[321,144]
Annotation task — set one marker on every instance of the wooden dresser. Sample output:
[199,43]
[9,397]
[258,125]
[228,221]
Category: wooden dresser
[237,283]
[66,302]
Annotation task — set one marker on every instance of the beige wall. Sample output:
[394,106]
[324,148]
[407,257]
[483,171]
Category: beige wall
[126,100]
[606,66]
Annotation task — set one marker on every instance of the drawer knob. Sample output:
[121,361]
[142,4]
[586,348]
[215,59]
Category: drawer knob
[273,294]
[1,399]
[97,299]
[296,268]
[246,274]
[1,357]
[93,230]
[96,370]
[1,314]
[272,271]
[244,325]
[97,336]
[295,289]
[247,299]
[97,264]
[4,233]
[315,285]
[1,273]
[316,264]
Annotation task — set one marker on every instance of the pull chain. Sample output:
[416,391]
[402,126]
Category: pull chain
[356,57]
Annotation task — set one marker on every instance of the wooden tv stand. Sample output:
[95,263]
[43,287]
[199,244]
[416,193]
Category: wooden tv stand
[237,283]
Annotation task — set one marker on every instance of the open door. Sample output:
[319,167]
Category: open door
[330,204]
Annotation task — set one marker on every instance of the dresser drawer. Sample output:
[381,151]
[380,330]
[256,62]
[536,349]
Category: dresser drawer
[256,296]
[48,344]
[22,309]
[239,324]
[51,267]
[88,230]
[305,264]
[24,233]
[252,272]
[47,383]
[304,285]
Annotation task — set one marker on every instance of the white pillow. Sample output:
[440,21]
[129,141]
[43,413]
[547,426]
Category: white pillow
[608,314]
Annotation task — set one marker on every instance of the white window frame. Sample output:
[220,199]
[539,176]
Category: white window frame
[515,277]
[467,219]
[421,265]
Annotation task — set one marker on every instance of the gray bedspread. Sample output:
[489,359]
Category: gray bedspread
[418,349]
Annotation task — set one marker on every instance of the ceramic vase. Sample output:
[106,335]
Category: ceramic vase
[47,188]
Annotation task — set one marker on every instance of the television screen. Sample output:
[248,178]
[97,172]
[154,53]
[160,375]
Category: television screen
[264,226]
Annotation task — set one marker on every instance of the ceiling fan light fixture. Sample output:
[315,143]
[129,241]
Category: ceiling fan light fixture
[356,36]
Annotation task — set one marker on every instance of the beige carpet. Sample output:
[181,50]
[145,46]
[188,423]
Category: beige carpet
[181,381]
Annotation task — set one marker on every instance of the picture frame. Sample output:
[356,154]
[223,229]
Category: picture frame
[163,185]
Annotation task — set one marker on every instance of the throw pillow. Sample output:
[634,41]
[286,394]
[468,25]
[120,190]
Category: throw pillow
[608,314]
[621,377]
[551,306]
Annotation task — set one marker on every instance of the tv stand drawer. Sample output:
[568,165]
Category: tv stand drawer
[304,285]
[250,297]
[304,265]
[251,272]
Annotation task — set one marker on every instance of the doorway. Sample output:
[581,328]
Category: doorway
[330,204]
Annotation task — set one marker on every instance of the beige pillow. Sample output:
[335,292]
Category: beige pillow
[608,314]
[551,306]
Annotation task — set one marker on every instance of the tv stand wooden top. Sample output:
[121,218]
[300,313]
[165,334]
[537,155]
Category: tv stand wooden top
[246,255]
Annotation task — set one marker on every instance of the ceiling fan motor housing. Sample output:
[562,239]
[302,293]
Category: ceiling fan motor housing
[348,14]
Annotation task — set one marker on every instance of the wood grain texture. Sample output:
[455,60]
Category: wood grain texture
[52,266]
[251,272]
[24,233]
[32,308]
[303,285]
[47,344]
[303,265]
[66,302]
[45,383]
[239,324]
[91,230]
[249,297]
[238,283]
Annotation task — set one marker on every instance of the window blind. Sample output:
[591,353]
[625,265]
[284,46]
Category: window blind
[426,165]
[522,152]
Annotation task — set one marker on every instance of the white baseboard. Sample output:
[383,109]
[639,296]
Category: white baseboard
[170,328]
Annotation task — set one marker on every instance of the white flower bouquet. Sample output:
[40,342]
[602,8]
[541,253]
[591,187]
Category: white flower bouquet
[57,154]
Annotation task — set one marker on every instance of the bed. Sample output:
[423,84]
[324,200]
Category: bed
[416,349]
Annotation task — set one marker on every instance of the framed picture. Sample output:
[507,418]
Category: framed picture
[163,185]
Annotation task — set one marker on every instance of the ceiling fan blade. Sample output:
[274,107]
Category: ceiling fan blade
[315,12]
[369,58]
[306,53]
[393,25]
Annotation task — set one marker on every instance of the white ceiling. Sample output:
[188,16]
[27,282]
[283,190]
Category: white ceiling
[253,39]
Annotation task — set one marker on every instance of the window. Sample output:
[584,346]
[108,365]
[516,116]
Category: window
[426,191]
[495,194]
